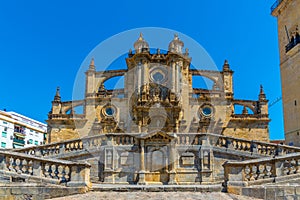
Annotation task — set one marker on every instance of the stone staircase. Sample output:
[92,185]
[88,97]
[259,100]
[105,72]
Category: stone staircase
[251,165]
[276,177]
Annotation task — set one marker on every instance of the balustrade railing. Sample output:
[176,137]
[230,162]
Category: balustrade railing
[124,140]
[45,170]
[263,170]
[66,116]
[250,146]
[189,139]
[92,142]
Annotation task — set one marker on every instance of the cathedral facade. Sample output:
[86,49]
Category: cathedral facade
[158,94]
[153,125]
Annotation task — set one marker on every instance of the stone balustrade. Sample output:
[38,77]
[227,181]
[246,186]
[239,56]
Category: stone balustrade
[220,141]
[31,168]
[252,146]
[260,171]
[92,142]
[189,139]
[53,148]
[66,116]
[124,140]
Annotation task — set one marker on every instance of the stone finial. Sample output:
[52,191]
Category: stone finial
[226,66]
[245,111]
[186,52]
[92,65]
[57,95]
[101,88]
[141,36]
[176,36]
[262,95]
[141,44]
[72,111]
[215,86]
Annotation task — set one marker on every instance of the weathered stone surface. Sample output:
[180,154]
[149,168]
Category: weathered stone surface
[155,196]
[287,14]
[270,193]
[254,192]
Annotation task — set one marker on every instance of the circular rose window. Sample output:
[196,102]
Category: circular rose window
[206,110]
[109,111]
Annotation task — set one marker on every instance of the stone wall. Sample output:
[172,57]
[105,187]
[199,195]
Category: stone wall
[288,17]
[63,134]
[33,191]
[248,133]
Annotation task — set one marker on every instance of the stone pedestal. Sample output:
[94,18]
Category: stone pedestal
[142,164]
[142,180]
[172,178]
[172,157]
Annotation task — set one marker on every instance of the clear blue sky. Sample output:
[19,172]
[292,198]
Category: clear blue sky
[43,43]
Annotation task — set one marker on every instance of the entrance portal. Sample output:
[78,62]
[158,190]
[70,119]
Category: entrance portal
[157,164]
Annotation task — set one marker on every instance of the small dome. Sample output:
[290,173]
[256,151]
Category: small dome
[141,44]
[176,45]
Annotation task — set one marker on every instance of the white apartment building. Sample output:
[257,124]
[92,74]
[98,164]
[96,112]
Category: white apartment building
[17,131]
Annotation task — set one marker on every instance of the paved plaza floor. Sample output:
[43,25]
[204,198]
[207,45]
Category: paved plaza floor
[155,196]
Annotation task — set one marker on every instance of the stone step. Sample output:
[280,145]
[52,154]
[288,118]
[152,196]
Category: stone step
[156,188]
[37,191]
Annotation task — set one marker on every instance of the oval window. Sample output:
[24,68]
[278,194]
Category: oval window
[207,111]
[158,77]
[109,111]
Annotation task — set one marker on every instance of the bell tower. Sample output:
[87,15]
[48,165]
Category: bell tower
[288,17]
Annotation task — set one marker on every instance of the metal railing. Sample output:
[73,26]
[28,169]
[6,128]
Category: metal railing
[292,43]
[18,141]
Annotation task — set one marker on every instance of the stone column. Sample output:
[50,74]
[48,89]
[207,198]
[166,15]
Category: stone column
[206,175]
[139,78]
[178,78]
[140,126]
[142,164]
[177,126]
[172,160]
[173,77]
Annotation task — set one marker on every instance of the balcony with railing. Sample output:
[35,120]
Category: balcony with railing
[19,131]
[295,40]
[18,142]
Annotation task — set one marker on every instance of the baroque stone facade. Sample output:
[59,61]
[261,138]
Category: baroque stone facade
[154,126]
[287,13]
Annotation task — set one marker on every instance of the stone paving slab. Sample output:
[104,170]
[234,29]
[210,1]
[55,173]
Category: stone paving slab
[155,196]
